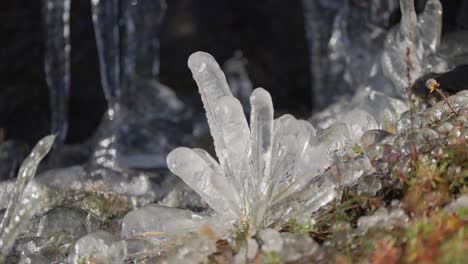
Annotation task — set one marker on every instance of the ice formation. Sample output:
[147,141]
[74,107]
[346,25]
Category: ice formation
[410,48]
[266,173]
[26,198]
[317,26]
[106,28]
[377,109]
[139,105]
[290,247]
[343,56]
[99,247]
[57,63]
[261,167]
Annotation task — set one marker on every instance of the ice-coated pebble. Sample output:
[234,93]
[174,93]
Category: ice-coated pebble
[98,247]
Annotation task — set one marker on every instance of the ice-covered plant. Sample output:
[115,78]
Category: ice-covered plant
[26,198]
[266,171]
[410,48]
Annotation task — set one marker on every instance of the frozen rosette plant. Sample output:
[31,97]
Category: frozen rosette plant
[265,170]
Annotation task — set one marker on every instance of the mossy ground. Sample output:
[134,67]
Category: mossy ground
[431,181]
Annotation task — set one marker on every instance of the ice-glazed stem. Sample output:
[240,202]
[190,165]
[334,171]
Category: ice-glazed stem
[430,23]
[212,86]
[143,20]
[26,173]
[57,62]
[106,15]
[34,202]
[235,138]
[19,211]
[408,19]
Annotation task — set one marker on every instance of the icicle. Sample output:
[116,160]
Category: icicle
[106,28]
[430,22]
[315,36]
[57,63]
[127,34]
[142,20]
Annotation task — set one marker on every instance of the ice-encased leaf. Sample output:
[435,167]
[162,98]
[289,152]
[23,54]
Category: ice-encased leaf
[158,222]
[235,136]
[375,136]
[284,152]
[385,110]
[261,129]
[201,172]
[358,122]
[302,166]
[212,85]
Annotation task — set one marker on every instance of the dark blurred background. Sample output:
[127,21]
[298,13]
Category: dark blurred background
[269,32]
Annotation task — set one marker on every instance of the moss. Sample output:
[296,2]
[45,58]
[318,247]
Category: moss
[82,260]
[105,206]
[293,226]
[454,250]
[240,232]
[357,149]
[429,238]
[271,257]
